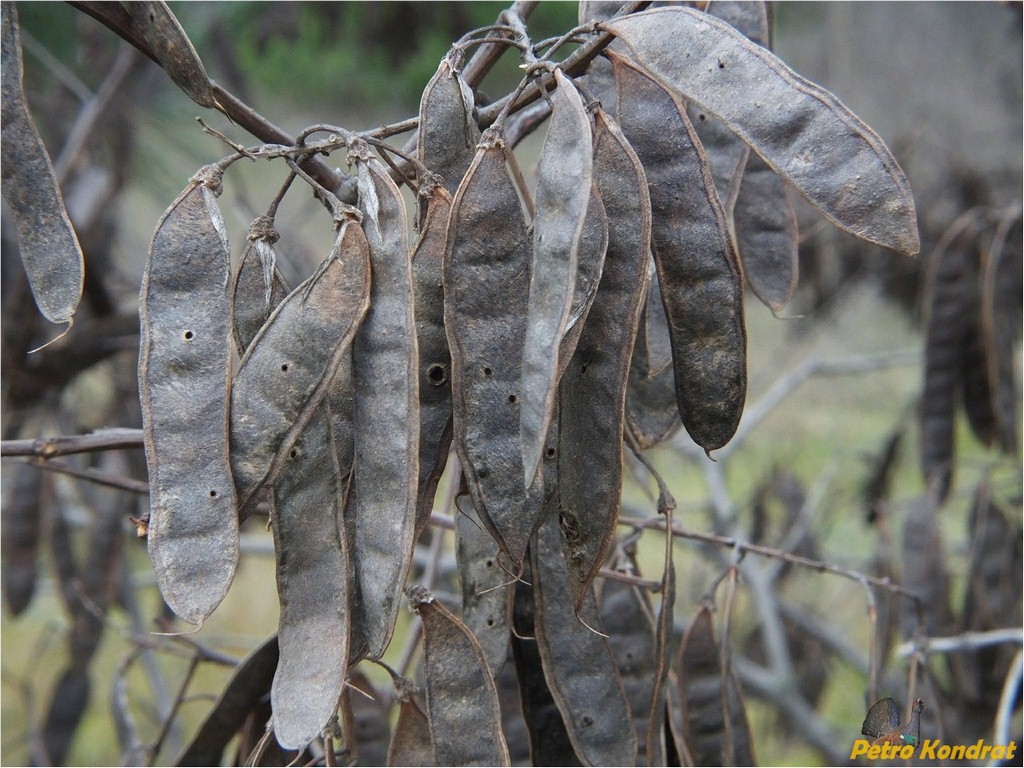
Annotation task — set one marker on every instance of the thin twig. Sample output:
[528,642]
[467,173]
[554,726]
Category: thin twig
[100,440]
[168,719]
[1011,690]
[967,641]
[93,475]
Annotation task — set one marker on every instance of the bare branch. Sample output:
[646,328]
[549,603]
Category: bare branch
[967,641]
[64,445]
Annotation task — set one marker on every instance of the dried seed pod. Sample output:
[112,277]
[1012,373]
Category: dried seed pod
[651,412]
[766,233]
[20,526]
[751,19]
[462,701]
[172,48]
[312,587]
[578,664]
[184,364]
[801,130]
[714,718]
[448,133]
[47,242]
[549,740]
[249,683]
[435,363]
[698,270]
[593,388]
[385,360]
[626,617]
[564,174]
[258,286]
[653,344]
[655,736]
[485,598]
[486,286]
[410,741]
[287,370]
[924,567]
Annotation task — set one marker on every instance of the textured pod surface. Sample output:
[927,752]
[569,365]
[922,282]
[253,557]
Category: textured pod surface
[766,233]
[485,594]
[589,266]
[801,130]
[698,270]
[387,421]
[564,174]
[435,365]
[714,718]
[410,741]
[448,133]
[249,684]
[258,286]
[170,45]
[593,388]
[20,528]
[486,284]
[578,664]
[462,701]
[312,588]
[286,371]
[626,617]
[184,363]
[46,240]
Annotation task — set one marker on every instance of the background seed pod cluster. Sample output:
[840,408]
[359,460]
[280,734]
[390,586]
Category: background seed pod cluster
[490,352]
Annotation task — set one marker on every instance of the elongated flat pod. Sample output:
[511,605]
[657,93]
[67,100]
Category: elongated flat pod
[549,740]
[410,741]
[698,270]
[593,389]
[589,266]
[312,587]
[578,664]
[651,412]
[766,233]
[801,130]
[285,373]
[258,285]
[565,172]
[750,18]
[249,684]
[462,701]
[20,527]
[47,242]
[170,45]
[653,344]
[184,364]
[486,286]
[923,566]
[626,617]
[485,596]
[448,133]
[385,361]
[435,364]
[714,718]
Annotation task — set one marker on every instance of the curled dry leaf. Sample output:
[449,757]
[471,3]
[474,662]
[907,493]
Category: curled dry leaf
[593,388]
[385,360]
[486,287]
[698,270]
[184,364]
[47,242]
[801,130]
[462,701]
[565,172]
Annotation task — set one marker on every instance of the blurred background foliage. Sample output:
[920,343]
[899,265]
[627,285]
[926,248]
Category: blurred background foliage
[940,82]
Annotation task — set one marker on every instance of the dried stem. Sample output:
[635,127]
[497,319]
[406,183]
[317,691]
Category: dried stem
[47,447]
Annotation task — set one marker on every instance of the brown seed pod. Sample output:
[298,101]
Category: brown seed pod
[565,172]
[20,527]
[485,596]
[593,388]
[312,587]
[172,48]
[435,364]
[578,664]
[47,242]
[448,133]
[385,362]
[486,286]
[258,285]
[410,741]
[462,701]
[698,270]
[836,161]
[287,370]
[184,364]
